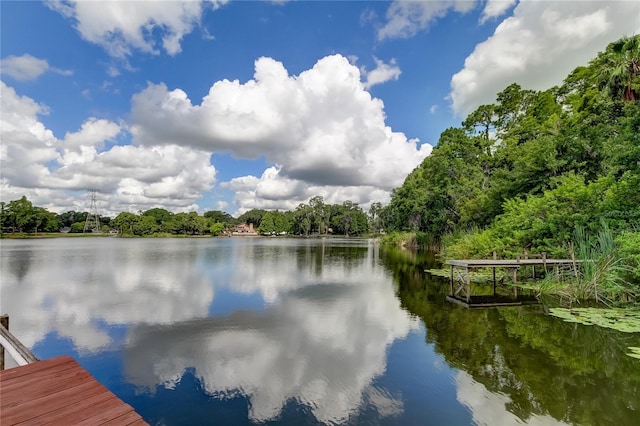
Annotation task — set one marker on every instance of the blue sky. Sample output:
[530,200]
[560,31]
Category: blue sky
[239,105]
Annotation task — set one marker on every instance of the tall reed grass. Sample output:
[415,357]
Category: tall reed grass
[601,272]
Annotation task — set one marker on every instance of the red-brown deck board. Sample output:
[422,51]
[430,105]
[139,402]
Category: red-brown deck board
[59,391]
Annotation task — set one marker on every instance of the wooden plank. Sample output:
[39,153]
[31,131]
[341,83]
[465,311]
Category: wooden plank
[139,422]
[12,373]
[31,408]
[25,380]
[70,395]
[59,391]
[40,386]
[128,418]
[73,414]
[24,397]
[102,416]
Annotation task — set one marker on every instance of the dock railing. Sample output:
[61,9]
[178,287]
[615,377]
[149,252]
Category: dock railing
[19,352]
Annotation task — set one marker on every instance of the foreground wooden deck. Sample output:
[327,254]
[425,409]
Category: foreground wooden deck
[59,391]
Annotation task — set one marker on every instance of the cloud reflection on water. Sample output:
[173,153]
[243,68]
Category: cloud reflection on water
[321,344]
[70,289]
[490,408]
[331,313]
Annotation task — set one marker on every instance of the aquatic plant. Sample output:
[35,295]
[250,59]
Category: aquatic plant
[602,271]
[624,320]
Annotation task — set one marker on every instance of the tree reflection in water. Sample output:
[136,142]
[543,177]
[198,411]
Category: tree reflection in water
[574,373]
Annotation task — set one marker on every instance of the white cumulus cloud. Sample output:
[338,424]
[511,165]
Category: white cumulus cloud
[406,18]
[27,67]
[382,73]
[273,191]
[495,8]
[322,128]
[93,132]
[539,45]
[122,26]
[27,145]
[44,168]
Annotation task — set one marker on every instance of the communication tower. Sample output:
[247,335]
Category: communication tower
[92,223]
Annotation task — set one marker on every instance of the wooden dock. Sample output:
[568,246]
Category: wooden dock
[478,302]
[460,275]
[58,391]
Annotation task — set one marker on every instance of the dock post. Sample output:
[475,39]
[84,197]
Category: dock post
[494,280]
[468,285]
[495,257]
[4,321]
[533,271]
[451,282]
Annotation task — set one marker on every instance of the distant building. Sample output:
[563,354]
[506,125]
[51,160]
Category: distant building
[244,229]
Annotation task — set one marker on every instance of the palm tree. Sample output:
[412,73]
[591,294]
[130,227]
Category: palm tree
[619,69]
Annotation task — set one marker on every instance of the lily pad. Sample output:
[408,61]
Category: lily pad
[439,272]
[624,320]
[476,276]
[635,352]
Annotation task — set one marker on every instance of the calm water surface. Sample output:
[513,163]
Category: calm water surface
[238,331]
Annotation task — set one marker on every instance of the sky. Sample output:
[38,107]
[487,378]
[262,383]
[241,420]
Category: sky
[236,105]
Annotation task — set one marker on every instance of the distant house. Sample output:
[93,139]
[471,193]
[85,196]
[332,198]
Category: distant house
[244,229]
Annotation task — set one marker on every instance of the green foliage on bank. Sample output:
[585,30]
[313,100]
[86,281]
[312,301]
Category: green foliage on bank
[400,239]
[629,248]
[525,172]
[409,240]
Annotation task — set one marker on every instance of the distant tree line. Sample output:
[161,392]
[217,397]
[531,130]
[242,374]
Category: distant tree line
[314,217]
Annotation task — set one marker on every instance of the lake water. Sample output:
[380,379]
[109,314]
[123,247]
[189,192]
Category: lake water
[240,331]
